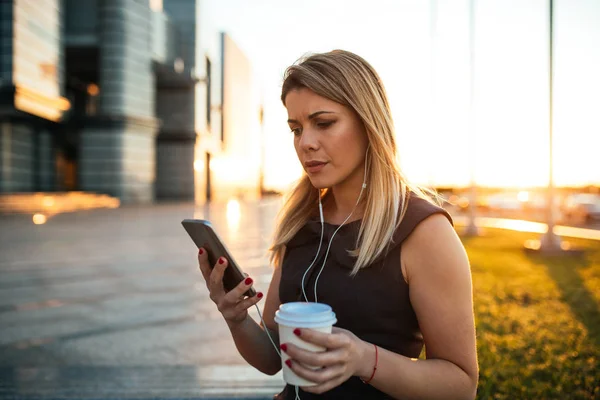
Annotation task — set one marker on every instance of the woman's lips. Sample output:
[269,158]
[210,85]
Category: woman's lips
[313,169]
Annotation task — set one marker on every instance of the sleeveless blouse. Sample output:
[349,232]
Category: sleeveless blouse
[374,304]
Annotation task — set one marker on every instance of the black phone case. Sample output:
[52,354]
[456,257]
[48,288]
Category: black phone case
[204,236]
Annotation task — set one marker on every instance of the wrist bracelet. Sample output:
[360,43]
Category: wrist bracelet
[374,367]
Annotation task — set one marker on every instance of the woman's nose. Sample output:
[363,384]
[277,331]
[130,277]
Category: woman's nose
[309,140]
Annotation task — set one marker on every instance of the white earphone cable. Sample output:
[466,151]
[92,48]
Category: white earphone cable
[318,250]
[267,330]
[273,343]
[364,185]
[331,241]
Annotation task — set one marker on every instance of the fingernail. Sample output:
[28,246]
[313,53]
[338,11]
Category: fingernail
[259,295]
[288,363]
[283,347]
[297,332]
[221,260]
[200,251]
[248,281]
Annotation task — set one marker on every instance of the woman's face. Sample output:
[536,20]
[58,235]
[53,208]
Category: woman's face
[329,138]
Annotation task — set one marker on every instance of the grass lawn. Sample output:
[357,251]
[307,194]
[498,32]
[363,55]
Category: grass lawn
[538,319]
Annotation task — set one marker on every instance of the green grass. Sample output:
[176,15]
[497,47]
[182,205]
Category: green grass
[538,319]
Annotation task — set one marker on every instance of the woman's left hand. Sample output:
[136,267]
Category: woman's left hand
[344,357]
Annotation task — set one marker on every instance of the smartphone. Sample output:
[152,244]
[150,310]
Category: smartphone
[203,235]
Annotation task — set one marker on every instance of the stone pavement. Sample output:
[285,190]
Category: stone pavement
[109,304]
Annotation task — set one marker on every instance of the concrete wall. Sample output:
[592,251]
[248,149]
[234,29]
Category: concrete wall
[16,158]
[6,43]
[166,38]
[126,77]
[100,164]
[175,109]
[119,161]
[139,166]
[46,162]
[175,145]
[176,106]
[118,150]
[175,175]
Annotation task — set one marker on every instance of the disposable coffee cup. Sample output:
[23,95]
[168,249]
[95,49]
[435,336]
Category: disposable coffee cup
[315,316]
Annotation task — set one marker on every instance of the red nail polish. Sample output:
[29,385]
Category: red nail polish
[288,363]
[259,295]
[200,251]
[283,347]
[248,281]
[297,332]
[221,260]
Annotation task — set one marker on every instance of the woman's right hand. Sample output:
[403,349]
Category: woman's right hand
[232,305]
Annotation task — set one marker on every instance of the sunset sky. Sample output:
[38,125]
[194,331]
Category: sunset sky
[431,105]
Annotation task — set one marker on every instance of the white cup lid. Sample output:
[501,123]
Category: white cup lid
[305,315]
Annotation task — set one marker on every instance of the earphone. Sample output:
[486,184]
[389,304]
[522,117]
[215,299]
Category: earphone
[363,187]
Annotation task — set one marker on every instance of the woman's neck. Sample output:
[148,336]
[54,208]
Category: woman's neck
[340,202]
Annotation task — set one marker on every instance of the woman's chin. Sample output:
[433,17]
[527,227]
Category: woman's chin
[319,183]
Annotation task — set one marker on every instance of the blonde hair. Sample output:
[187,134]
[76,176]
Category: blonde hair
[349,80]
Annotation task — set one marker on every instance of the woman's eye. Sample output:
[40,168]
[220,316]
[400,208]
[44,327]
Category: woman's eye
[296,131]
[325,124]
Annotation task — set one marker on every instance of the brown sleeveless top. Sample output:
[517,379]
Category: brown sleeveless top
[374,304]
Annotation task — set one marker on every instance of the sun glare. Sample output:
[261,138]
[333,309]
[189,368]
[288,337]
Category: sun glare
[523,196]
[234,215]
[39,219]
[198,165]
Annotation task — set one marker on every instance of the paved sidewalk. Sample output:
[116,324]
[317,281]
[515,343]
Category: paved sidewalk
[110,304]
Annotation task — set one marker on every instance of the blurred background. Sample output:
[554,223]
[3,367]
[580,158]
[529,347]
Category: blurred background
[147,101]
[119,118]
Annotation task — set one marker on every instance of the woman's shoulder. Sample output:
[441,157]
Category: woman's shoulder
[418,209]
[433,247]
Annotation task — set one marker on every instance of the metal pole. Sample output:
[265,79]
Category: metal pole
[208,179]
[432,94]
[261,179]
[471,226]
[550,242]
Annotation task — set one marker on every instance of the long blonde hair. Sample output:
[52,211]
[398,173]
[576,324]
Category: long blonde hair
[348,79]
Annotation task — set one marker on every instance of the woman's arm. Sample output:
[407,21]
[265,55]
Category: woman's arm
[250,338]
[439,277]
[438,273]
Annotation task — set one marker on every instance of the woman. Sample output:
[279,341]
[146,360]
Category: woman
[386,258]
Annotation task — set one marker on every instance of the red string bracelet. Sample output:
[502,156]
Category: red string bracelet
[374,367]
